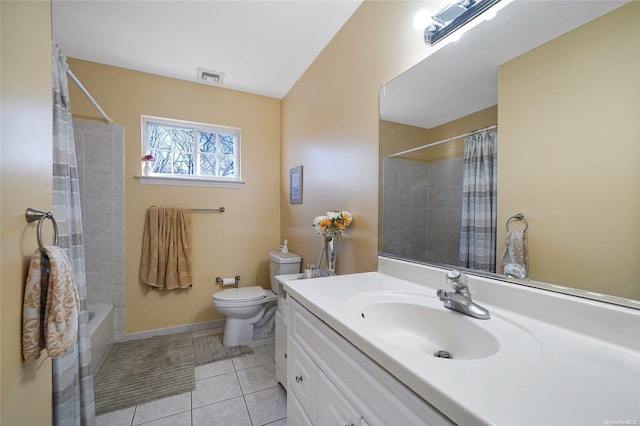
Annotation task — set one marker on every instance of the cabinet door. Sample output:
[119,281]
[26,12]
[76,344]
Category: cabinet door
[302,377]
[333,407]
[281,349]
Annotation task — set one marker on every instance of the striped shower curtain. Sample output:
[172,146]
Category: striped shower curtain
[479,202]
[72,400]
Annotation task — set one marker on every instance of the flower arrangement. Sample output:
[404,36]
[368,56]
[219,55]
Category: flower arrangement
[147,157]
[333,223]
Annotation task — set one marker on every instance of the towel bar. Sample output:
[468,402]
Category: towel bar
[520,217]
[218,210]
[32,215]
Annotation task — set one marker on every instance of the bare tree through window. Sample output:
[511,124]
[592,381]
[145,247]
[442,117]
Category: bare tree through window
[192,151]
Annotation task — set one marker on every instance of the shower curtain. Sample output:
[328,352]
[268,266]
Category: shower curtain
[72,400]
[479,202]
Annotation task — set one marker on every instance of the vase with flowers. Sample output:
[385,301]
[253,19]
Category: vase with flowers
[332,227]
[147,164]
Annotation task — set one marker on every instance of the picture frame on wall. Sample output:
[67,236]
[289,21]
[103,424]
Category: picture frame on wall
[295,185]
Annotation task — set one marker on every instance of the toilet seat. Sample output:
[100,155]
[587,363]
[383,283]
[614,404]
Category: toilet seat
[241,294]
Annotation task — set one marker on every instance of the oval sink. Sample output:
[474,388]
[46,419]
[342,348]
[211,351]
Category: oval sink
[421,323]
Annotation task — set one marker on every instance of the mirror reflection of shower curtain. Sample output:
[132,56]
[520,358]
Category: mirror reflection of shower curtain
[479,202]
[73,398]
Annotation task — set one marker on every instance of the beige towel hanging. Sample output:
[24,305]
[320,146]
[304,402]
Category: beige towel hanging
[54,325]
[516,250]
[166,248]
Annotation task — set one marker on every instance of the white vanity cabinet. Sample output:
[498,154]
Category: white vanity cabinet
[296,416]
[335,409]
[331,382]
[281,348]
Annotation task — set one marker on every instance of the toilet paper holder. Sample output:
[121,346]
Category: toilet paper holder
[228,281]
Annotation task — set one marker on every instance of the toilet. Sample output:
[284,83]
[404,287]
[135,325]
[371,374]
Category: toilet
[250,311]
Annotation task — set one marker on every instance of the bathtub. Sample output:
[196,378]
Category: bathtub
[101,332]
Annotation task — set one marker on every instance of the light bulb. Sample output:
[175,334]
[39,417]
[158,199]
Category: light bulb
[422,19]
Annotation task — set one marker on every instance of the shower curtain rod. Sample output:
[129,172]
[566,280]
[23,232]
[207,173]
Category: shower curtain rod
[397,154]
[88,95]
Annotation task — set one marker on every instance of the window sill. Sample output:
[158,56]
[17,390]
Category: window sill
[188,181]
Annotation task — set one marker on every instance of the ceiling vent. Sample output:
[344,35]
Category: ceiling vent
[214,78]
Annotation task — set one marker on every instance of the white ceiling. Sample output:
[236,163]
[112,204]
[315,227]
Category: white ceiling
[263,47]
[461,78]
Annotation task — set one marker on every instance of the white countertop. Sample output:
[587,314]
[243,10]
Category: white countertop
[543,374]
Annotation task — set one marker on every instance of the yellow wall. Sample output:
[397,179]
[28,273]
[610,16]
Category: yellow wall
[396,137]
[25,176]
[235,242]
[330,126]
[568,154]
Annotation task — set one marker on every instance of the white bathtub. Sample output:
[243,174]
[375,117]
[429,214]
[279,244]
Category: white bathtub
[101,332]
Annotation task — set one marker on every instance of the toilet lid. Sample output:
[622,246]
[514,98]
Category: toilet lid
[241,294]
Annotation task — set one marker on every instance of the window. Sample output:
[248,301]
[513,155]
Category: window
[186,153]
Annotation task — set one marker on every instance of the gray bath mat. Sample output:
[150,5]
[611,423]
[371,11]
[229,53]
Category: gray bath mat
[207,347]
[145,370]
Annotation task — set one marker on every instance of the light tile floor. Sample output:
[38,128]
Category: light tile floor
[234,392]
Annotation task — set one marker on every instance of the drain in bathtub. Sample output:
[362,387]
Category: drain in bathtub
[443,354]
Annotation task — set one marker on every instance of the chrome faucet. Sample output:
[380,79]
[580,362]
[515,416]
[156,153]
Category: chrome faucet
[460,299]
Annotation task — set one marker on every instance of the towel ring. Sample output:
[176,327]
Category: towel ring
[32,215]
[518,216]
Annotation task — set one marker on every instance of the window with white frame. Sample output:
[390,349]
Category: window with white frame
[182,149]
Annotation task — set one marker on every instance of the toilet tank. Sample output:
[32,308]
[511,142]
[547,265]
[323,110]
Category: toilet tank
[282,264]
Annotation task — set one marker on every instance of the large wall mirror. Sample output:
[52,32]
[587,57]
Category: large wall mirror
[558,80]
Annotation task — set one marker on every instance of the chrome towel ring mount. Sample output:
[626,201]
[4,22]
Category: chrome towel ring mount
[32,215]
[519,217]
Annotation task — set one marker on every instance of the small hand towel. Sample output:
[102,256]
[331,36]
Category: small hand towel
[166,248]
[516,250]
[57,327]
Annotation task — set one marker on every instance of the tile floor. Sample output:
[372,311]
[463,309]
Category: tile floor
[234,392]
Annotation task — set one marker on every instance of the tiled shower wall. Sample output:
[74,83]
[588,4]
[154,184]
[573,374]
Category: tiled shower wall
[99,150]
[445,210]
[405,198]
[422,209]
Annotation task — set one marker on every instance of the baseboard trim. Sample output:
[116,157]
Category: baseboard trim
[172,330]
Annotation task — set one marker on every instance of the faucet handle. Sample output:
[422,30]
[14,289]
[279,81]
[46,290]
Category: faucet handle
[457,280]
[454,274]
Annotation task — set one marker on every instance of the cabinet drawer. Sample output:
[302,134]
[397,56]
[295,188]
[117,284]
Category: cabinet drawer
[333,407]
[302,378]
[295,413]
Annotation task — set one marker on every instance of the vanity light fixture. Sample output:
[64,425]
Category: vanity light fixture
[453,16]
